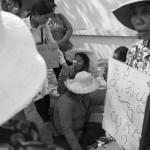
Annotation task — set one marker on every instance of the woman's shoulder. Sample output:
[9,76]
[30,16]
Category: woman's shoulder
[65,100]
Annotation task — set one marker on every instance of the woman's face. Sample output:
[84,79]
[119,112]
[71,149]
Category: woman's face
[10,5]
[42,19]
[141,19]
[79,63]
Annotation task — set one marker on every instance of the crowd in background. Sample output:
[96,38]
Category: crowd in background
[76,74]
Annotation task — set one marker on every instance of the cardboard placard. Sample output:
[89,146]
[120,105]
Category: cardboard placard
[50,55]
[125,101]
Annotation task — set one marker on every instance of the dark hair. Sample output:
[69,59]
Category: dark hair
[42,7]
[85,59]
[120,53]
[52,2]
[19,2]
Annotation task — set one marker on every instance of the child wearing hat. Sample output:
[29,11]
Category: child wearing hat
[135,14]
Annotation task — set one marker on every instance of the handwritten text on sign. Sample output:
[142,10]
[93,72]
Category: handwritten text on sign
[126,96]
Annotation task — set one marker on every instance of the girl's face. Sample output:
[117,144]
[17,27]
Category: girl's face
[42,19]
[141,19]
[79,63]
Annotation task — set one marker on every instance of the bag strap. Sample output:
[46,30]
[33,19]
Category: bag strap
[42,41]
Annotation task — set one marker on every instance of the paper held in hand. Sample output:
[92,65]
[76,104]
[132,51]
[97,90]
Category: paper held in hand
[125,102]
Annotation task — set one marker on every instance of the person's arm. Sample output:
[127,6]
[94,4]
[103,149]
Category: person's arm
[61,57]
[68,27]
[105,72]
[62,78]
[65,113]
[52,43]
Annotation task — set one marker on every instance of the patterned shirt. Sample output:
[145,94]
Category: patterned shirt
[138,56]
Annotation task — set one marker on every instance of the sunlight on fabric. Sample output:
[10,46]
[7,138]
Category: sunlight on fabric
[94,15]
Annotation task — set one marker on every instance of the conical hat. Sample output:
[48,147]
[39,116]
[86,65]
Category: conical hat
[123,12]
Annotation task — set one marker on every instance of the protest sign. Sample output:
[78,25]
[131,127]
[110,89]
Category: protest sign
[50,55]
[125,102]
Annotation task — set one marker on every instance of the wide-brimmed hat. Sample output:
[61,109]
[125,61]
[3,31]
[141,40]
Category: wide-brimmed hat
[83,83]
[22,69]
[70,55]
[123,12]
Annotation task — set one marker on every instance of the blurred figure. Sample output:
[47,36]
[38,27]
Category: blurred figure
[14,7]
[83,60]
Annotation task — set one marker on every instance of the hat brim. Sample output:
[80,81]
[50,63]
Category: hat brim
[76,88]
[54,5]
[70,55]
[23,70]
[123,13]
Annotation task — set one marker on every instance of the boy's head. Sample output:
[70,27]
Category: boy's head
[135,14]
[120,53]
[41,11]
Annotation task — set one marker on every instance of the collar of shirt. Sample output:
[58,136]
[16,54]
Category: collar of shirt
[28,22]
[146,44]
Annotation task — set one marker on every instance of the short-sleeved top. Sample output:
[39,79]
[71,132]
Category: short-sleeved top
[58,26]
[138,56]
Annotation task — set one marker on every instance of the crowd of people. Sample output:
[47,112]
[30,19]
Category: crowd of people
[26,80]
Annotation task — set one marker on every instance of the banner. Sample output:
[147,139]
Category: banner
[50,55]
[125,101]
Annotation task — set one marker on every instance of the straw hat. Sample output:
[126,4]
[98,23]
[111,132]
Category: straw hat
[123,12]
[83,83]
[22,69]
[70,55]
